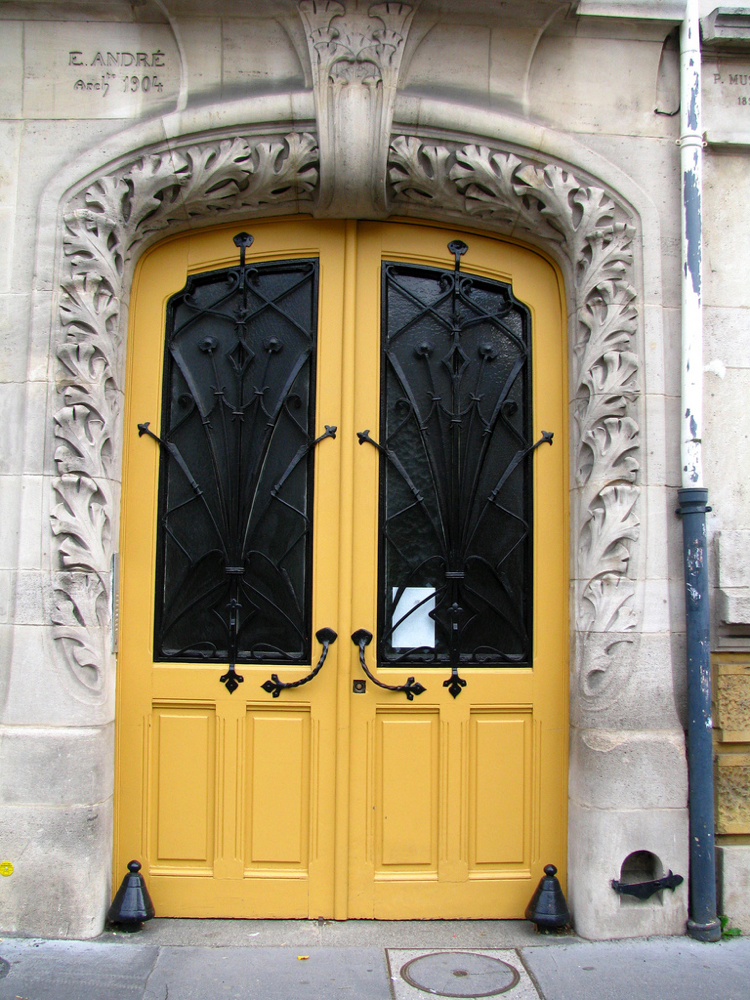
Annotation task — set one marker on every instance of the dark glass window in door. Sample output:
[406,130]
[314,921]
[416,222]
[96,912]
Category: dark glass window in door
[456,490]
[233,580]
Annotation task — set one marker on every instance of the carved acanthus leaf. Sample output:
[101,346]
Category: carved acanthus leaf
[421,173]
[81,522]
[105,224]
[607,599]
[79,618]
[356,44]
[594,233]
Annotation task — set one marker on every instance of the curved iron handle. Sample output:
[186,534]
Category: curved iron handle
[363,638]
[274,686]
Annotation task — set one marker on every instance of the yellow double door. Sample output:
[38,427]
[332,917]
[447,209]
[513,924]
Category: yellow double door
[339,798]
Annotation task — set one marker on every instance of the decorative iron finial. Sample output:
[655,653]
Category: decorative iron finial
[458,248]
[243,241]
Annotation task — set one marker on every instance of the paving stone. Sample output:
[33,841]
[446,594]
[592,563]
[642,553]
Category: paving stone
[657,969]
[269,974]
[74,970]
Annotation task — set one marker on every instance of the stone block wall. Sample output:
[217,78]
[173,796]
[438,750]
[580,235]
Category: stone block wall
[732,784]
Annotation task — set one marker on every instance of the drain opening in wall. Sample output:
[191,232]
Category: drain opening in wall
[641,866]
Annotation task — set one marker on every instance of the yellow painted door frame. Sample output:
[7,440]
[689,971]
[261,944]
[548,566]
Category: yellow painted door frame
[216,835]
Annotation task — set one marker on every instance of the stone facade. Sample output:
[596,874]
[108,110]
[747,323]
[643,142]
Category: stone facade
[124,123]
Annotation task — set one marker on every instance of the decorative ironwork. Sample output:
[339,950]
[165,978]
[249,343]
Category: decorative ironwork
[411,688]
[645,890]
[274,686]
[455,509]
[235,539]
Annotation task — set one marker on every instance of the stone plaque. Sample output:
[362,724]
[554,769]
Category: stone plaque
[726,99]
[98,70]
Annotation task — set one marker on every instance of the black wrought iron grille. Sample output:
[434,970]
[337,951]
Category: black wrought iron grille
[456,491]
[235,534]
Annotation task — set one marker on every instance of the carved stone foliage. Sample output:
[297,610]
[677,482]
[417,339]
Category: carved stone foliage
[104,226]
[107,222]
[353,45]
[355,57]
[594,233]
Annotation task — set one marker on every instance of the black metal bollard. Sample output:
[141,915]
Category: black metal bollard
[548,908]
[132,903]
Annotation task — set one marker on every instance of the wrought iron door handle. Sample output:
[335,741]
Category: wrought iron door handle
[363,638]
[274,686]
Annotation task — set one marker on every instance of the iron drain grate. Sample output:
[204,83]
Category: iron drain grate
[459,974]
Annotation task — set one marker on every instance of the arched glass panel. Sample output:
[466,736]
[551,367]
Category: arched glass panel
[456,490]
[233,580]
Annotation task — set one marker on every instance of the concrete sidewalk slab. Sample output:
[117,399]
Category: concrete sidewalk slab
[74,970]
[269,974]
[651,969]
[336,934]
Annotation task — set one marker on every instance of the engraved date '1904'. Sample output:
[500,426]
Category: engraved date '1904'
[127,83]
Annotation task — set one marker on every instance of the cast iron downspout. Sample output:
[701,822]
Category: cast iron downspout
[702,922]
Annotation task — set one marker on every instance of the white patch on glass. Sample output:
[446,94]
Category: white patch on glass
[418,629]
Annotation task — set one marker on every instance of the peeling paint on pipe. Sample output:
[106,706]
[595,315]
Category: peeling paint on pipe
[703,923]
[691,162]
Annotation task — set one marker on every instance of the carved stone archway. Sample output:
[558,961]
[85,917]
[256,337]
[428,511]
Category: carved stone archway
[115,215]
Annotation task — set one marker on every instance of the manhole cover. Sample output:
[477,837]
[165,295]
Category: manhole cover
[459,974]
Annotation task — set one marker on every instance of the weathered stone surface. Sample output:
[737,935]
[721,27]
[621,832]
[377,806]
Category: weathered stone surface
[11,59]
[577,80]
[733,864]
[726,185]
[257,54]
[628,770]
[733,558]
[638,688]
[732,695]
[733,606]
[600,840]
[727,444]
[61,766]
[451,58]
[726,343]
[60,886]
[733,793]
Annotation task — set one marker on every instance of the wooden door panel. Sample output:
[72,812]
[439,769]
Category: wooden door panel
[407,801]
[184,762]
[499,799]
[277,799]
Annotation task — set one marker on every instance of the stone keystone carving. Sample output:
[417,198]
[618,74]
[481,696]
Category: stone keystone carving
[594,233]
[355,56]
[357,47]
[105,225]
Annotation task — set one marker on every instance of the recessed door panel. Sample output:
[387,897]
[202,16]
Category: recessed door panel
[499,808]
[185,762]
[278,767]
[407,806]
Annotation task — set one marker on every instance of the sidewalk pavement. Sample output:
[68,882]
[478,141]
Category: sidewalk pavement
[367,960]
